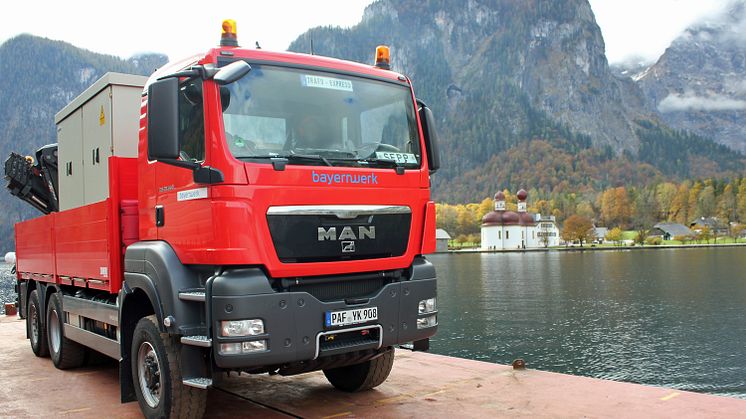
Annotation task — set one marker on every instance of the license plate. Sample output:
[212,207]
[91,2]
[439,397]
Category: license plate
[348,317]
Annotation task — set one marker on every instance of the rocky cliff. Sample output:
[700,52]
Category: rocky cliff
[699,83]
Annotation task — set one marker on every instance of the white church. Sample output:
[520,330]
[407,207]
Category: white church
[503,229]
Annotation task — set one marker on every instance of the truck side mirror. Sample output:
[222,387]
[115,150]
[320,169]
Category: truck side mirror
[431,137]
[163,119]
[232,72]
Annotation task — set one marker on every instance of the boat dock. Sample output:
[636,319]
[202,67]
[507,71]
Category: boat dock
[420,385]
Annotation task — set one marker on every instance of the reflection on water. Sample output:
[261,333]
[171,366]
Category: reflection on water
[673,318]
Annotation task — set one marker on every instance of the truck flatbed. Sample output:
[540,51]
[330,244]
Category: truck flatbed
[421,385]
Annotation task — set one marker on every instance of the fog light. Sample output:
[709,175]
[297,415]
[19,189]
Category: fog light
[230,348]
[254,346]
[427,306]
[429,321]
[238,328]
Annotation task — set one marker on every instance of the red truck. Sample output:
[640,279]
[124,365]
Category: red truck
[239,210]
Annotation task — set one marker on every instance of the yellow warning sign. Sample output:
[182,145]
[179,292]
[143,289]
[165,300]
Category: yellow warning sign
[101,116]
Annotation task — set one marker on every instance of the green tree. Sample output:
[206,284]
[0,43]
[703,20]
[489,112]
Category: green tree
[585,209]
[706,202]
[665,193]
[641,235]
[741,201]
[704,235]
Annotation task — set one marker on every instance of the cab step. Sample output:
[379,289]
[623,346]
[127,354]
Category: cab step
[192,294]
[197,340]
[198,382]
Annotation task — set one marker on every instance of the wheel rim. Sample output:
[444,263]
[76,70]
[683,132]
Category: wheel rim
[34,318]
[54,331]
[149,374]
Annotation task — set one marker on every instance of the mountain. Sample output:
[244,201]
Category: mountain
[39,77]
[699,83]
[502,73]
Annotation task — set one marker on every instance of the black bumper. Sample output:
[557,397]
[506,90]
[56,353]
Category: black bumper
[294,322]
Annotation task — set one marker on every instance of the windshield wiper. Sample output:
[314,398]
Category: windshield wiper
[306,157]
[399,167]
[290,157]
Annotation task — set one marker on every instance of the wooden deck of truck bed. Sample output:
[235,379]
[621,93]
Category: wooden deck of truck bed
[421,385]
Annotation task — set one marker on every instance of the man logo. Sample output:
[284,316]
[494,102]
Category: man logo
[348,246]
[347,233]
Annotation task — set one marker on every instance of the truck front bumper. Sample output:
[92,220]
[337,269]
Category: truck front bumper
[294,322]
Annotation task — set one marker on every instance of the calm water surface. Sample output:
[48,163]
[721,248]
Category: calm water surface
[672,318]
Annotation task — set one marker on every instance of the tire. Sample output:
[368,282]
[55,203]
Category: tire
[64,352]
[36,326]
[157,375]
[363,376]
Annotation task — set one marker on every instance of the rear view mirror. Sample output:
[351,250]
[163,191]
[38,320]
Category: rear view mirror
[232,72]
[163,119]
[431,136]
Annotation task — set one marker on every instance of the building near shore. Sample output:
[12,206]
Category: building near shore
[441,240]
[502,229]
[667,231]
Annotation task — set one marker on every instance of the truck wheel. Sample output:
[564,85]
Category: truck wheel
[363,376]
[157,374]
[35,325]
[64,352]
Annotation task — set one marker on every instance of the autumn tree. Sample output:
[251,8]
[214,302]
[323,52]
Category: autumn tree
[680,204]
[726,204]
[614,235]
[577,229]
[616,208]
[693,201]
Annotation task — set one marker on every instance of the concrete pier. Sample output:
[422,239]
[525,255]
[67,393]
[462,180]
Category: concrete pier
[421,385]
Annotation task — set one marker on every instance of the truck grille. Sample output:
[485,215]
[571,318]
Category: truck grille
[322,234]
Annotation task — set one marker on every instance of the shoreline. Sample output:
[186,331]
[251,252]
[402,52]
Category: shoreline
[594,248]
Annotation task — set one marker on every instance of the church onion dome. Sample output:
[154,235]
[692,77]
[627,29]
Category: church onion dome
[511,217]
[522,195]
[526,218]
[492,218]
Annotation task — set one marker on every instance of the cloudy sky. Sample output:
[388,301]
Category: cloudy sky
[631,28]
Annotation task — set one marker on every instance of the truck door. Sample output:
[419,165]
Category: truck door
[183,215]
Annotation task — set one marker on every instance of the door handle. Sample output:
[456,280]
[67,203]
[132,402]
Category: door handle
[160,216]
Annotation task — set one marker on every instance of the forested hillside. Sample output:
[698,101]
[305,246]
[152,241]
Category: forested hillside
[38,77]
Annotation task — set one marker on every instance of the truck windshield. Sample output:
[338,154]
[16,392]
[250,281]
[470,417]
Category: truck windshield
[317,118]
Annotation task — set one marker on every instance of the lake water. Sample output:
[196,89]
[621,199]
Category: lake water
[673,318]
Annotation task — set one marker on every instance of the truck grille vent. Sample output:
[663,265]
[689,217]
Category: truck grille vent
[340,290]
[348,340]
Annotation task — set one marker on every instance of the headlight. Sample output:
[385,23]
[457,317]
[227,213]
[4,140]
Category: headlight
[429,321]
[427,306]
[238,328]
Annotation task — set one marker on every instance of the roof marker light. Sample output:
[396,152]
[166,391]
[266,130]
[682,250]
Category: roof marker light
[229,37]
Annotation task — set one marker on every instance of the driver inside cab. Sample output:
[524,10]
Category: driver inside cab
[310,132]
